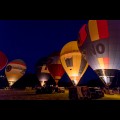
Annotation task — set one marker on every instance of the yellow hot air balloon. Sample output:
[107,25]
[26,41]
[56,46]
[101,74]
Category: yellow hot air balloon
[73,62]
[15,70]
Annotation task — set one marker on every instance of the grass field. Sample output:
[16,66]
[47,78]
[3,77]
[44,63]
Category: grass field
[110,97]
[31,95]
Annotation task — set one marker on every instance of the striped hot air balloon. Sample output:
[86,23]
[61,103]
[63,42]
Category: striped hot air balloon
[99,42]
[73,62]
[15,70]
[55,67]
[3,60]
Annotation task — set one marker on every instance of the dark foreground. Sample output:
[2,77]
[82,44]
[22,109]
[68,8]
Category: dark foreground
[31,95]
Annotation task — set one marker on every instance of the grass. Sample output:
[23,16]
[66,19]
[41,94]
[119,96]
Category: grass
[110,97]
[31,95]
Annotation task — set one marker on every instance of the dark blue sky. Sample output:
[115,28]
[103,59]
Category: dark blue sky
[32,39]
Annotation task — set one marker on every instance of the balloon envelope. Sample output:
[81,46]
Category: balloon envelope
[3,60]
[15,70]
[99,42]
[43,73]
[55,67]
[73,62]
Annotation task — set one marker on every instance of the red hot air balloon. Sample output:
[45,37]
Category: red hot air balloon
[3,60]
[55,67]
[99,42]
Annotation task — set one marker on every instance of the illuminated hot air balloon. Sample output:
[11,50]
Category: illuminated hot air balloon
[73,62]
[43,73]
[15,70]
[55,67]
[99,42]
[3,60]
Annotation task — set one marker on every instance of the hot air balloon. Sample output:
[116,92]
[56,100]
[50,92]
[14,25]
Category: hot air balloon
[99,42]
[55,67]
[43,73]
[15,70]
[73,62]
[3,60]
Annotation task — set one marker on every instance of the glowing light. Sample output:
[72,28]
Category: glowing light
[75,81]
[43,79]
[105,78]
[42,83]
[75,74]
[11,81]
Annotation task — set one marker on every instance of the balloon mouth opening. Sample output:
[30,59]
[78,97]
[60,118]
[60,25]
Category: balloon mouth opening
[107,75]
[43,77]
[74,82]
[107,79]
[42,83]
[10,83]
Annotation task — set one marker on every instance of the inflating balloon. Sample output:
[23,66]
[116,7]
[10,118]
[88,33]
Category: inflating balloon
[15,70]
[99,42]
[73,62]
[43,73]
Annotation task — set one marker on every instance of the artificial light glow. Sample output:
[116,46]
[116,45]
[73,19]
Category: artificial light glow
[11,83]
[74,74]
[107,80]
[43,79]
[75,81]
[42,83]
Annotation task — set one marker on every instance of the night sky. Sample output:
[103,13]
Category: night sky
[31,40]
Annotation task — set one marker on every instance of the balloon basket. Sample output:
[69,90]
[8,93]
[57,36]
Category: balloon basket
[79,93]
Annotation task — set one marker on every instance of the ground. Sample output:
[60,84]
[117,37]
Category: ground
[31,95]
[110,97]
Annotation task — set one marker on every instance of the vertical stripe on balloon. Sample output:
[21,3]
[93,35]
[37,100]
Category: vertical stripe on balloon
[102,29]
[101,62]
[93,30]
[106,62]
[98,29]
[82,35]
